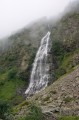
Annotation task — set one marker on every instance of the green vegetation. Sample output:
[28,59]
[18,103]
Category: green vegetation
[64,60]
[12,74]
[17,108]
[8,90]
[12,78]
[46,98]
[22,50]
[9,84]
[69,118]
[4,108]
[35,113]
[68,99]
[69,61]
[65,46]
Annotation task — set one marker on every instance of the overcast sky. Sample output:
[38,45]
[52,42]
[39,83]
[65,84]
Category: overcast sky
[15,14]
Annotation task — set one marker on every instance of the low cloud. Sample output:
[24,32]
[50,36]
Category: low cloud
[16,14]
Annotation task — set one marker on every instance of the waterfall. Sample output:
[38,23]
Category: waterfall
[40,71]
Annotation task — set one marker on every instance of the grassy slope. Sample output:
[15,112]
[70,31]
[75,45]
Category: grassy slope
[12,77]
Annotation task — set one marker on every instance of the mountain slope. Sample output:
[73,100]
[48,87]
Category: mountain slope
[18,51]
[17,54]
[60,98]
[65,46]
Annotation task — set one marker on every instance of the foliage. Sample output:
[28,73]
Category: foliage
[69,118]
[64,42]
[19,107]
[9,88]
[58,48]
[4,108]
[64,60]
[12,74]
[65,38]
[34,114]
[68,99]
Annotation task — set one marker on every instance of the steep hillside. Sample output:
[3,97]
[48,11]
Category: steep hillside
[65,47]
[60,98]
[17,54]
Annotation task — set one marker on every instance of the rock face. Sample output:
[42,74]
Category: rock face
[62,97]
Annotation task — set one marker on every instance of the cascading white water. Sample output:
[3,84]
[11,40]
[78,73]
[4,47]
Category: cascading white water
[40,71]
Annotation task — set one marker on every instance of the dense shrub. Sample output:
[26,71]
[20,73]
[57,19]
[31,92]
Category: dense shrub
[12,73]
[59,72]
[69,118]
[4,108]
[34,114]
[58,48]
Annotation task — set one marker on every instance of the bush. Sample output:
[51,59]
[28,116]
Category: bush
[58,48]
[59,72]
[4,108]
[68,99]
[34,114]
[12,73]
[69,118]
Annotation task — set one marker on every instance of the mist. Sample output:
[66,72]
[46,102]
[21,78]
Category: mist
[16,14]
